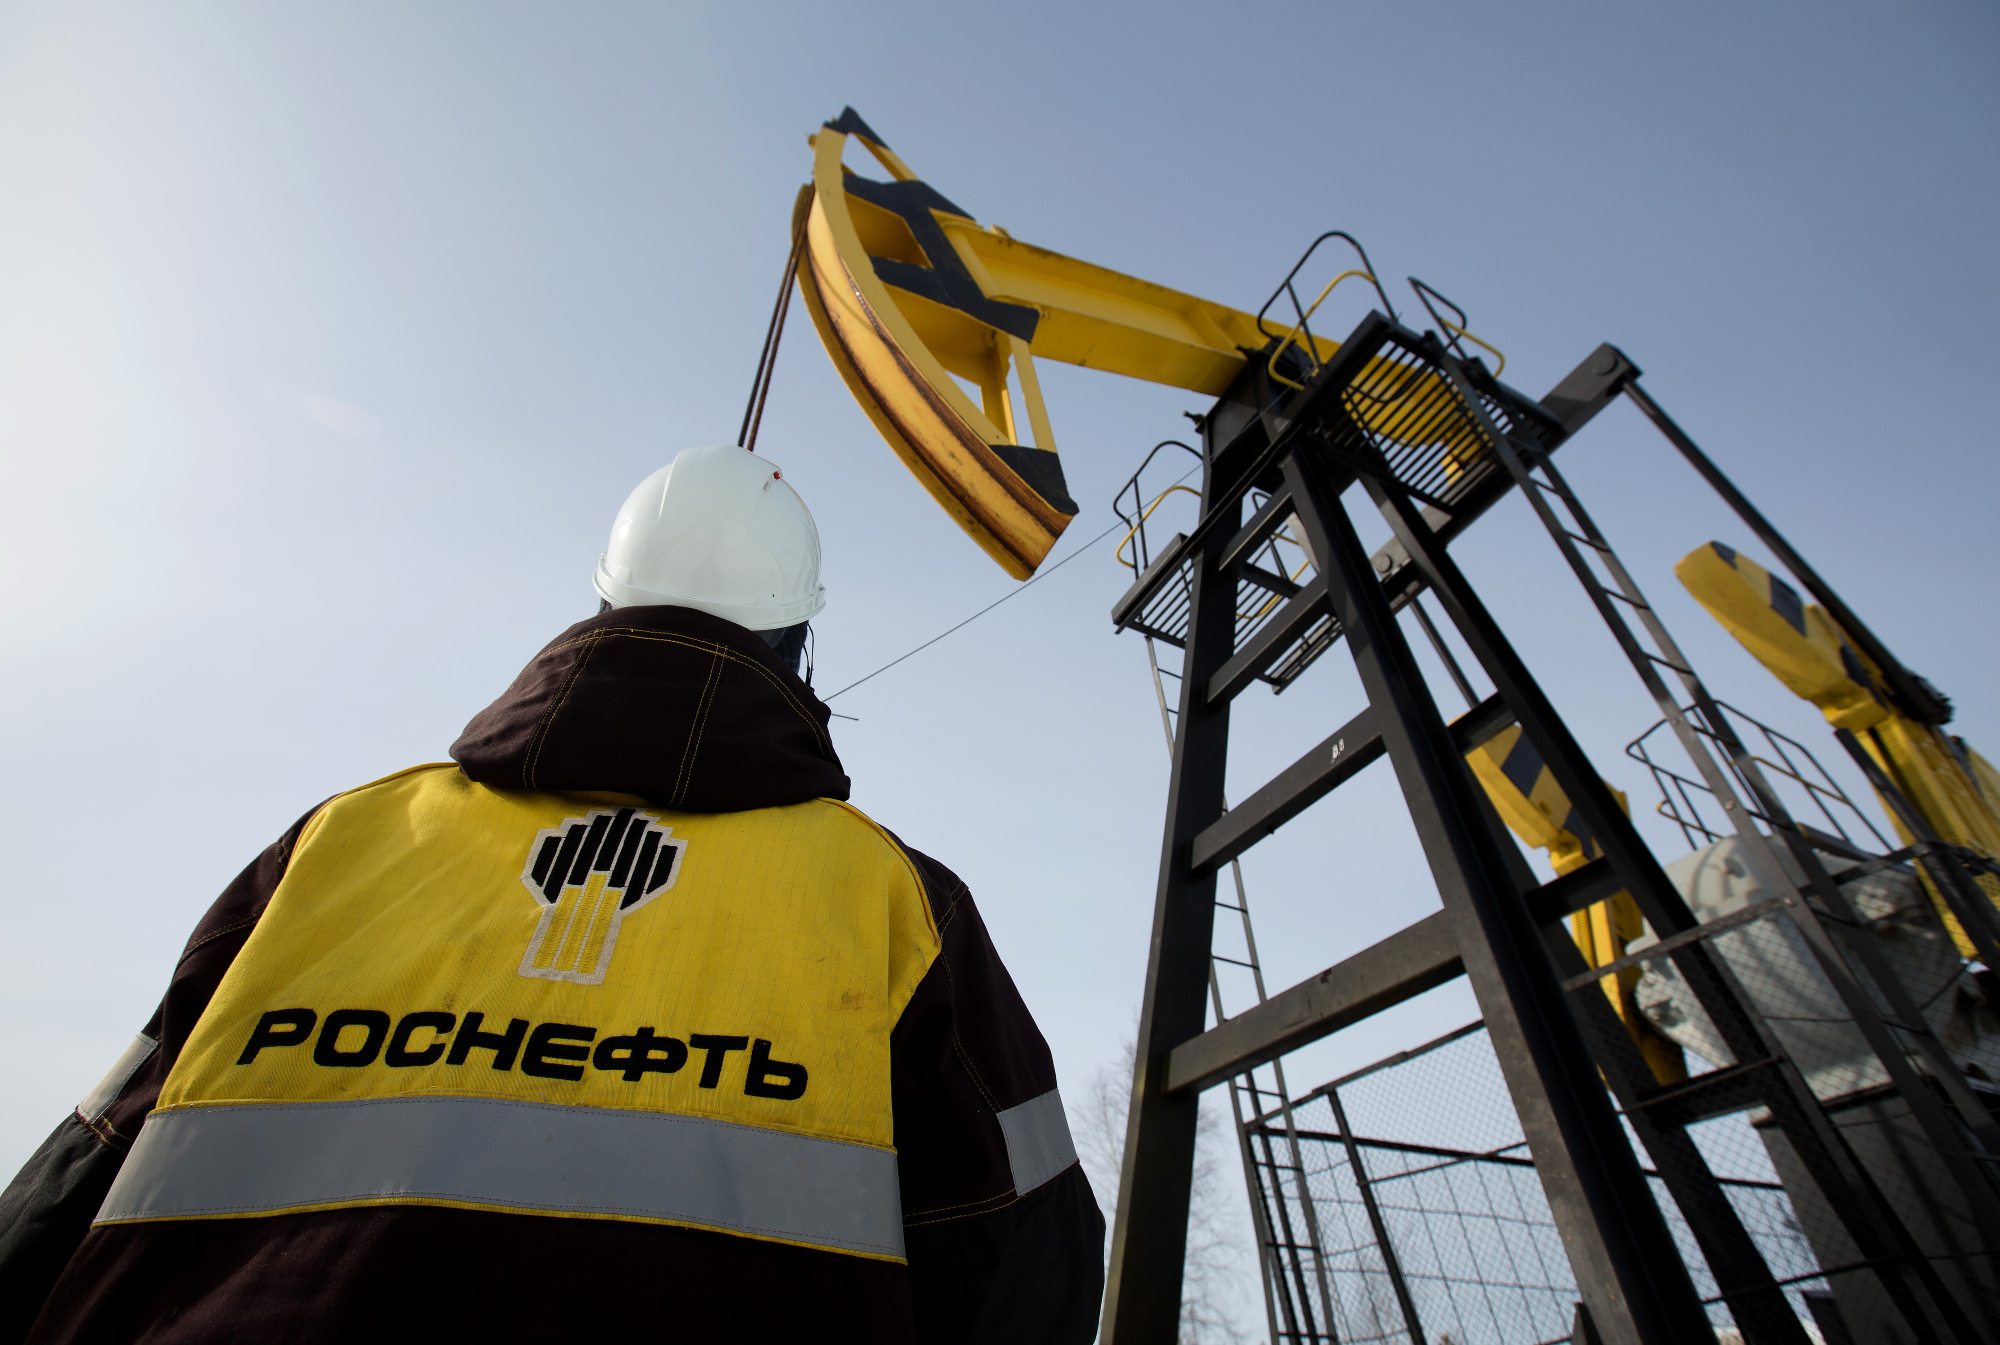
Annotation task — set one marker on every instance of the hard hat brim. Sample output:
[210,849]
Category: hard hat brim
[748,616]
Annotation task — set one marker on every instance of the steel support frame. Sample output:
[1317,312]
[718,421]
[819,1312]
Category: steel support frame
[1741,1274]
[1827,923]
[1909,1279]
[1626,1264]
[1948,873]
[1292,1295]
[1142,1290]
[1522,462]
[1912,694]
[1627,1267]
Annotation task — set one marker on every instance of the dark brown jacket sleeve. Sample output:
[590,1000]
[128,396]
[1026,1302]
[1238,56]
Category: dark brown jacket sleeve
[988,1261]
[47,1208]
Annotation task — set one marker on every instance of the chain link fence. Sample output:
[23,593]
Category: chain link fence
[1433,1223]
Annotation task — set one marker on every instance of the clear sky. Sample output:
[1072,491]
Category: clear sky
[331,337]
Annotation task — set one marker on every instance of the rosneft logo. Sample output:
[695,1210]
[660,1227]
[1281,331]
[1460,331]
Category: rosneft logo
[588,874]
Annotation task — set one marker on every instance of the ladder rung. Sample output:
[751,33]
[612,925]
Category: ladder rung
[1578,537]
[1669,663]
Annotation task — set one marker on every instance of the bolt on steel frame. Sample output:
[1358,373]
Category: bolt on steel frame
[1431,440]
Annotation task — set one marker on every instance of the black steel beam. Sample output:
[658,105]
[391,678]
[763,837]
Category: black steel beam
[1332,764]
[1254,453]
[1127,608]
[1912,694]
[1741,1272]
[1627,1266]
[1479,723]
[1572,892]
[1590,387]
[1142,1299]
[1270,516]
[1706,1096]
[1402,966]
[1300,785]
[1264,579]
[1294,619]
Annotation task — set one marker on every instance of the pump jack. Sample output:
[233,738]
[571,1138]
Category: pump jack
[910,294]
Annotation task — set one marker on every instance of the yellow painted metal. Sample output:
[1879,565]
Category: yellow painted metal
[1292,336]
[1542,817]
[990,306]
[1118,552]
[945,441]
[1500,367]
[1098,318]
[904,354]
[1799,644]
[1949,784]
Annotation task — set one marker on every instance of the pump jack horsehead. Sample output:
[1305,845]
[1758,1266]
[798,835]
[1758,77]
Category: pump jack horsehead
[907,289]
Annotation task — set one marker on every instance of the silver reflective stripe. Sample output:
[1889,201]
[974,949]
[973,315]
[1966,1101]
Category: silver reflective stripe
[204,1161]
[112,1084]
[1038,1143]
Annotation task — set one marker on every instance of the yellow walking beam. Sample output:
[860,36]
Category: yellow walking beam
[921,308]
[1952,786]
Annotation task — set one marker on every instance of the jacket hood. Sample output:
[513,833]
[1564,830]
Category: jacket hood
[684,709]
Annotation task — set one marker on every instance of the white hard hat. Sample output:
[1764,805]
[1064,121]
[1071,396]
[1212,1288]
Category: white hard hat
[721,531]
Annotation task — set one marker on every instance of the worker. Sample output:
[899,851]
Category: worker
[625,1026]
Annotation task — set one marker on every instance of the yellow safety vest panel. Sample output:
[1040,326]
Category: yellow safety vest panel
[571,1005]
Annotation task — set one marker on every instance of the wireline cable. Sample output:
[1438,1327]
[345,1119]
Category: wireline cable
[984,610]
[995,603]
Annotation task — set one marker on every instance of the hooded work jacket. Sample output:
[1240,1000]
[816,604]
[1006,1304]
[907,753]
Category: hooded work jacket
[626,1025]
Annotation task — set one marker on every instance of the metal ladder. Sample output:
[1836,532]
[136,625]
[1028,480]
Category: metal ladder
[1282,1258]
[1546,490]
[1395,414]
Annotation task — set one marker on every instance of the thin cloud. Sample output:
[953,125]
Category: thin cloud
[339,417]
[327,412]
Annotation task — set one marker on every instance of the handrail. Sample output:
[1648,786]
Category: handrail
[1285,285]
[1494,351]
[1132,482]
[1425,294]
[1277,598]
[1118,552]
[1311,350]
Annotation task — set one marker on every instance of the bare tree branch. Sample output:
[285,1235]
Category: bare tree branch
[1214,1256]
